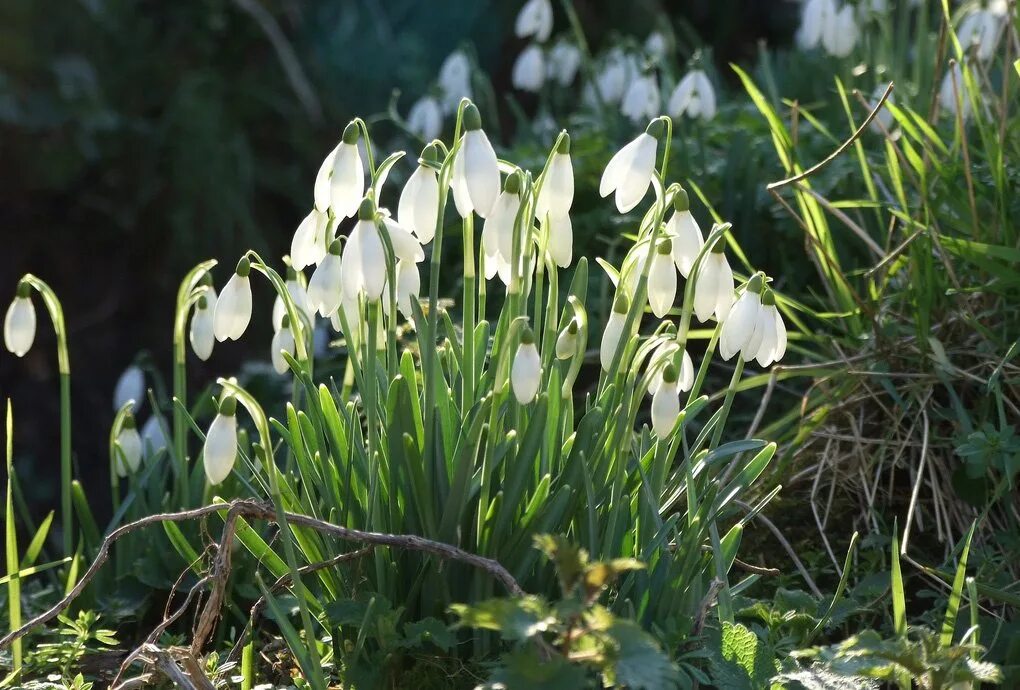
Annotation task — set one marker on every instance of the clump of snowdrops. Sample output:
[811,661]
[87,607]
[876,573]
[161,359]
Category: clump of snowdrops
[470,426]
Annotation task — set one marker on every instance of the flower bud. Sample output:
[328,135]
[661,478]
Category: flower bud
[129,448]
[20,322]
[220,450]
[566,343]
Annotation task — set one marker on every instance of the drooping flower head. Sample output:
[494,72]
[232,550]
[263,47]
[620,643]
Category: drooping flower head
[685,233]
[475,169]
[20,321]
[220,450]
[498,231]
[130,386]
[535,19]
[426,117]
[629,172]
[455,79]
[418,208]
[666,403]
[128,452]
[642,100]
[310,240]
[283,341]
[566,342]
[662,279]
[526,371]
[553,204]
[529,69]
[363,264]
[563,63]
[693,97]
[713,287]
[233,308]
[613,333]
[324,288]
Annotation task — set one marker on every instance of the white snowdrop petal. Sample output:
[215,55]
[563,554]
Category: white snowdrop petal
[611,339]
[347,184]
[153,436]
[481,171]
[738,328]
[706,286]
[535,19]
[661,284]
[233,309]
[557,193]
[283,341]
[129,456]
[130,386]
[780,350]
[20,326]
[201,335]
[373,261]
[405,245]
[426,118]
[561,240]
[687,240]
[686,379]
[724,290]
[526,373]
[220,450]
[461,194]
[321,191]
[529,69]
[665,409]
[324,287]
[418,208]
[762,324]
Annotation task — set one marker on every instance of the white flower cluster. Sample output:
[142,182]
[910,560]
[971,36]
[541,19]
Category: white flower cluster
[828,24]
[542,60]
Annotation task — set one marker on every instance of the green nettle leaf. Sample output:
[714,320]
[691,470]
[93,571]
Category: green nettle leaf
[743,660]
[817,677]
[527,669]
[429,630]
[569,559]
[635,660]
[514,619]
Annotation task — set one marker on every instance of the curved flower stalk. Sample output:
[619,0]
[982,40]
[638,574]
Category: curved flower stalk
[535,19]
[693,97]
[529,70]
[19,336]
[196,291]
[476,178]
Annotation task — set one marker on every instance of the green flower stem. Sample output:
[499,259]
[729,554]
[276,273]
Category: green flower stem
[430,374]
[187,294]
[368,146]
[266,444]
[11,551]
[468,375]
[725,598]
[64,368]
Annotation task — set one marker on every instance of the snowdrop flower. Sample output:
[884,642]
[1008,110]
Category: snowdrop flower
[475,169]
[560,233]
[641,100]
[563,63]
[981,29]
[408,288]
[418,209]
[309,244]
[455,79]
[662,280]
[220,449]
[771,330]
[526,371]
[498,231]
[233,308]
[201,334]
[283,341]
[363,264]
[566,342]
[557,193]
[739,330]
[666,403]
[129,443]
[841,33]
[529,69]
[19,323]
[694,97]
[613,333]
[816,16]
[666,353]
[656,45]
[629,172]
[298,295]
[324,287]
[426,118]
[948,92]
[130,387]
[683,231]
[347,181]
[535,19]
[713,287]
[617,73]
[153,436]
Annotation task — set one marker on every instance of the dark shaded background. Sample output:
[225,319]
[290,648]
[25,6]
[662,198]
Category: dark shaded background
[139,137]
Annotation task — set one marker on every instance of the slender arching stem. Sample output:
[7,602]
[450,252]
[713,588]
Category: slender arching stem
[56,313]
[188,293]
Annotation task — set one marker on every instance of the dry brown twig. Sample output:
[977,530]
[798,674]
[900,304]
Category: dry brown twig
[261,511]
